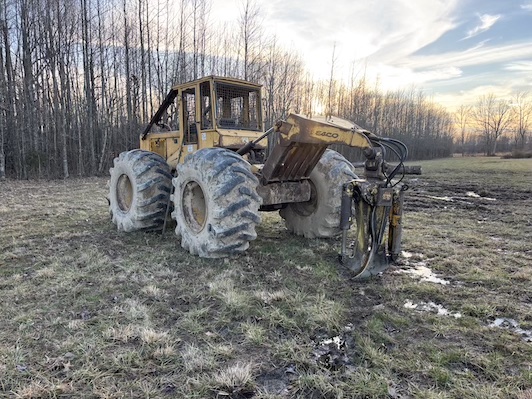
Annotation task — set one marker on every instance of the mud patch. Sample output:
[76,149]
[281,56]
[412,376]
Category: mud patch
[276,382]
[333,352]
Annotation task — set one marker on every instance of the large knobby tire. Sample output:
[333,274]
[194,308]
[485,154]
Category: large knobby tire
[216,205]
[320,216]
[139,191]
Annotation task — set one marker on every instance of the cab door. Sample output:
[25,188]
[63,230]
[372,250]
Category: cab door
[190,121]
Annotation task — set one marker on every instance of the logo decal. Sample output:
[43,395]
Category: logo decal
[327,134]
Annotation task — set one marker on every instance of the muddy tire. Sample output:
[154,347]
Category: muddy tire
[139,190]
[320,216]
[215,203]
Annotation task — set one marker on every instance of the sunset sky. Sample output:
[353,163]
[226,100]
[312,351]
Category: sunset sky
[452,50]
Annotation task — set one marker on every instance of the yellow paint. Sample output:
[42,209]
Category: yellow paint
[298,128]
[173,147]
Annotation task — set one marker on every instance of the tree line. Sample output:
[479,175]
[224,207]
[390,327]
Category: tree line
[495,124]
[80,78]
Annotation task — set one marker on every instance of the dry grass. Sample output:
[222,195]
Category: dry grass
[88,312]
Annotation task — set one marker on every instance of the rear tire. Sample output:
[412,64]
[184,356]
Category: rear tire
[139,190]
[215,203]
[320,216]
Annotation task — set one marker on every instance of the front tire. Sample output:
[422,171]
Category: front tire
[215,203]
[139,191]
[320,216]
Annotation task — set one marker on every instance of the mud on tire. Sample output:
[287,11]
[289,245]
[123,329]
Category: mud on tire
[139,190]
[320,216]
[215,203]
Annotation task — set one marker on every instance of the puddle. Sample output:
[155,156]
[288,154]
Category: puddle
[512,325]
[421,270]
[472,194]
[431,307]
[408,255]
[447,199]
[468,195]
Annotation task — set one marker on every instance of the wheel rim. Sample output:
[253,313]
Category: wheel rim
[194,206]
[309,207]
[124,193]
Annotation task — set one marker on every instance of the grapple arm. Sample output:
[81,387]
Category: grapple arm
[302,141]
[377,200]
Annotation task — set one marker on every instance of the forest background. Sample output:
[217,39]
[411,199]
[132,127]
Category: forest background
[80,78]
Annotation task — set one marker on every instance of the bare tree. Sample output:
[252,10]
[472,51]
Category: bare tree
[463,116]
[6,106]
[78,76]
[249,35]
[522,117]
[492,118]
[332,85]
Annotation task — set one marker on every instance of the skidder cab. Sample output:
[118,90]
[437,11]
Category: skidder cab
[210,112]
[205,159]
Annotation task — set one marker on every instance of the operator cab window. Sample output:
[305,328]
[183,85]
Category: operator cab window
[237,107]
[189,114]
[206,109]
[170,118]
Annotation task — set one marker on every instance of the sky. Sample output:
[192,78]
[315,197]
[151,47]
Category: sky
[452,50]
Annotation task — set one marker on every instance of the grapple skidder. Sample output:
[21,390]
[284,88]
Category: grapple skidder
[205,160]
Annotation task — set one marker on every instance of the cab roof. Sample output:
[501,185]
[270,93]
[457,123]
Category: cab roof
[218,79]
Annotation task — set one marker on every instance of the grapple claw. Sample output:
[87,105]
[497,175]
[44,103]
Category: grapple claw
[376,208]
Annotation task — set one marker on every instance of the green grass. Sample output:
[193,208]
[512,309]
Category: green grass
[88,312]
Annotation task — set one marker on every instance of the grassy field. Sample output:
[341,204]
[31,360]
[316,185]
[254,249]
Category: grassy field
[87,312]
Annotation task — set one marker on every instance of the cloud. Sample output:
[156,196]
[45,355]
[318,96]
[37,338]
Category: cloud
[452,101]
[383,43]
[486,55]
[394,78]
[479,45]
[382,33]
[486,22]
[519,66]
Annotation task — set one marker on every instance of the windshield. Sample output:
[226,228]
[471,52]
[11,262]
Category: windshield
[237,107]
